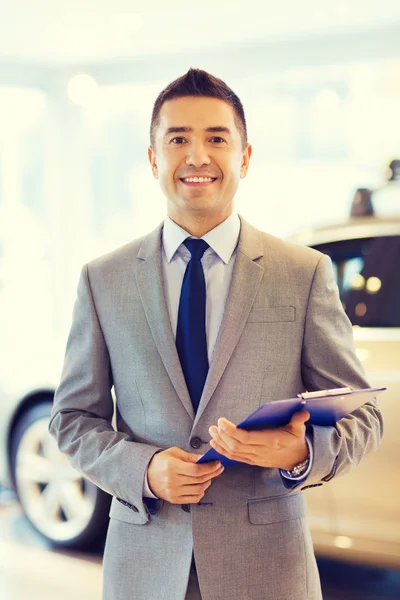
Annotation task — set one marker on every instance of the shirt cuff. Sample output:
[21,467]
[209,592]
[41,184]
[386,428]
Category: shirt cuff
[147,493]
[307,471]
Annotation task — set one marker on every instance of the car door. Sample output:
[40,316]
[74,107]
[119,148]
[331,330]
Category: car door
[366,500]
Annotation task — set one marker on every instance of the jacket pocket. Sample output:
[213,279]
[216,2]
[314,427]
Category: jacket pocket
[276,510]
[276,314]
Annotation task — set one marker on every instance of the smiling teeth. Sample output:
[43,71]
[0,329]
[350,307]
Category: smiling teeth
[198,179]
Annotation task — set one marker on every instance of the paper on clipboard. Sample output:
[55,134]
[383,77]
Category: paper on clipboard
[326,407]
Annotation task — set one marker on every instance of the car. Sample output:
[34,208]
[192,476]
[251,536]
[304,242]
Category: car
[62,506]
[355,517]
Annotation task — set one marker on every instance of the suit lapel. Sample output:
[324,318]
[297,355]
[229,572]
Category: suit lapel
[149,280]
[246,278]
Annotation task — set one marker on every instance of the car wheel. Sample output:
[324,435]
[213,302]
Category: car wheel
[64,507]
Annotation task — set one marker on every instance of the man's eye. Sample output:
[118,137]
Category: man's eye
[177,140]
[218,139]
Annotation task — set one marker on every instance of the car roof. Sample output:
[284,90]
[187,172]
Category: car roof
[350,229]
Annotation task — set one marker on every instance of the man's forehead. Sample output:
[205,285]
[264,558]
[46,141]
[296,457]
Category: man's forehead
[191,110]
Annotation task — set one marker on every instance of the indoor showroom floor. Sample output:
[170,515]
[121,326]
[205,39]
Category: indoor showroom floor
[29,570]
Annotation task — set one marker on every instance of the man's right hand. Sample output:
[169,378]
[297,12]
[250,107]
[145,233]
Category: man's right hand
[173,475]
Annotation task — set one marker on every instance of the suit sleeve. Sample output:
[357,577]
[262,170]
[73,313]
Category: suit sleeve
[81,419]
[329,361]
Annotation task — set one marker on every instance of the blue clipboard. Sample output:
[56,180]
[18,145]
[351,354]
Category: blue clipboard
[326,407]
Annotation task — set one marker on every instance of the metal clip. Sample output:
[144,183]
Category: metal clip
[323,393]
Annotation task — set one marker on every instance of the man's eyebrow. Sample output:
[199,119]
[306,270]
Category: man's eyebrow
[219,129]
[178,130]
[216,129]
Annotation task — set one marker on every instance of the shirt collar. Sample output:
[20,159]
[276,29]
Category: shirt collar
[222,239]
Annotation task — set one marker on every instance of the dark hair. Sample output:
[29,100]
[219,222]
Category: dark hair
[199,83]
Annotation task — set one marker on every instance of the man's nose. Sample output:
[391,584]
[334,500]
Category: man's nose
[197,155]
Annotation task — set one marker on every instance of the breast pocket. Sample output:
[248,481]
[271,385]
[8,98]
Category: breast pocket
[273,314]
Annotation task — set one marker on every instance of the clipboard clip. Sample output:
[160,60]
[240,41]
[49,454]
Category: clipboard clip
[323,393]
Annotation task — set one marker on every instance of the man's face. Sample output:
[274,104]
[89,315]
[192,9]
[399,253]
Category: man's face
[198,137]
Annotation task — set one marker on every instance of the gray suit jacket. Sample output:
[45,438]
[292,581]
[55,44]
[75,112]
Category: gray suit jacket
[283,331]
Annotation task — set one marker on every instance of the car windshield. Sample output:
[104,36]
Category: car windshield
[368,276]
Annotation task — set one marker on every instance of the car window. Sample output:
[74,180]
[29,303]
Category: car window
[368,276]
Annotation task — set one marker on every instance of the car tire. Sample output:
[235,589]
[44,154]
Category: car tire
[62,506]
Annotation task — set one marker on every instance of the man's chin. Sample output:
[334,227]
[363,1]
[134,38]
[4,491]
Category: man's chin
[197,198]
[200,204]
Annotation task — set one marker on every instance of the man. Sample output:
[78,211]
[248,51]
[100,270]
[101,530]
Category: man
[196,325]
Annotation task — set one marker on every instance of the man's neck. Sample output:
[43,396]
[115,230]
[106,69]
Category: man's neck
[199,225]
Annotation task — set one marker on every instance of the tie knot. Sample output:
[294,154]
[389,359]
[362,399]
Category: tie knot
[196,247]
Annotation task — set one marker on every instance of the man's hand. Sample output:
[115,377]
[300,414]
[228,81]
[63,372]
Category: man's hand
[174,476]
[281,448]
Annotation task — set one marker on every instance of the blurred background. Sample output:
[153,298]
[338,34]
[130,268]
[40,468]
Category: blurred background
[320,84]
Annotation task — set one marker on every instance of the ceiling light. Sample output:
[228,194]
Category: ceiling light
[342,541]
[373,285]
[82,89]
[361,309]
[358,282]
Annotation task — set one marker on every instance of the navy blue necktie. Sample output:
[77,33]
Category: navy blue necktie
[191,339]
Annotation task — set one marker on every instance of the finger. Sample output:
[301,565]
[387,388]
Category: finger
[227,427]
[192,489]
[247,438]
[191,480]
[191,459]
[296,424]
[230,444]
[182,455]
[187,500]
[195,488]
[211,476]
[241,457]
[199,470]
[187,496]
[190,494]
[224,440]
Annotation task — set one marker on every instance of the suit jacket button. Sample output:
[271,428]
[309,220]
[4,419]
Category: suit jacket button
[186,507]
[196,442]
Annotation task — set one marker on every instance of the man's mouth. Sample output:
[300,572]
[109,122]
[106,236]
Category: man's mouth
[198,181]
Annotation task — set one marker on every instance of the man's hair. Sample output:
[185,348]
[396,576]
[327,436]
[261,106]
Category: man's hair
[199,83]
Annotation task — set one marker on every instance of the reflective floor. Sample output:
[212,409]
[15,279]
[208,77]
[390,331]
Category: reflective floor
[29,570]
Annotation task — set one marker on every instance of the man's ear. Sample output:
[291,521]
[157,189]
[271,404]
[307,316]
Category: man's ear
[153,161]
[246,160]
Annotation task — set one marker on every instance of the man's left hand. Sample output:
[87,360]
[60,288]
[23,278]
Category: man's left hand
[282,448]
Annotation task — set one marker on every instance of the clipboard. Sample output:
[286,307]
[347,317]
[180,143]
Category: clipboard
[326,407]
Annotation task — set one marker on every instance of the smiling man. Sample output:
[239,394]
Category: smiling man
[196,325]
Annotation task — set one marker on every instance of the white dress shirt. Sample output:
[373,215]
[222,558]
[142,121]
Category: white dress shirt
[217,262]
